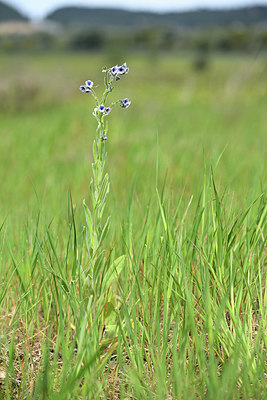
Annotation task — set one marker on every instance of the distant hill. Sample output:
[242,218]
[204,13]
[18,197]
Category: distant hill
[117,18]
[8,13]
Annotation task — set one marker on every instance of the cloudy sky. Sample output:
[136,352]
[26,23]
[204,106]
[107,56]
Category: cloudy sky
[38,8]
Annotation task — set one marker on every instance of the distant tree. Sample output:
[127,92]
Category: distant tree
[87,41]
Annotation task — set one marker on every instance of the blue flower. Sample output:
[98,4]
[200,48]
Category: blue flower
[125,103]
[114,70]
[89,84]
[107,110]
[123,69]
[102,109]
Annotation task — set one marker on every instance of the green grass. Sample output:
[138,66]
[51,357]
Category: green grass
[183,314]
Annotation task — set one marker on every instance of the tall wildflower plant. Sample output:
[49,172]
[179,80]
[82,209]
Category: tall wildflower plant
[96,226]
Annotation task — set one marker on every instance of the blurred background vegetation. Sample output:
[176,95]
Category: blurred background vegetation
[76,28]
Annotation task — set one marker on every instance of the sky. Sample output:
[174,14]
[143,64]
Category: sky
[39,8]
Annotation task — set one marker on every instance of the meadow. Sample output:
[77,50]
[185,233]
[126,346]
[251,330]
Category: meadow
[179,309]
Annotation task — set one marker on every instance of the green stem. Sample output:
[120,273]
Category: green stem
[99,179]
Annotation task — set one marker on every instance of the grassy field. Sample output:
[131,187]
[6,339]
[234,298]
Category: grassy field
[179,310]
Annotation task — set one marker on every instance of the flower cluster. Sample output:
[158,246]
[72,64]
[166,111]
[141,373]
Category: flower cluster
[111,75]
[119,70]
[87,88]
[102,110]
